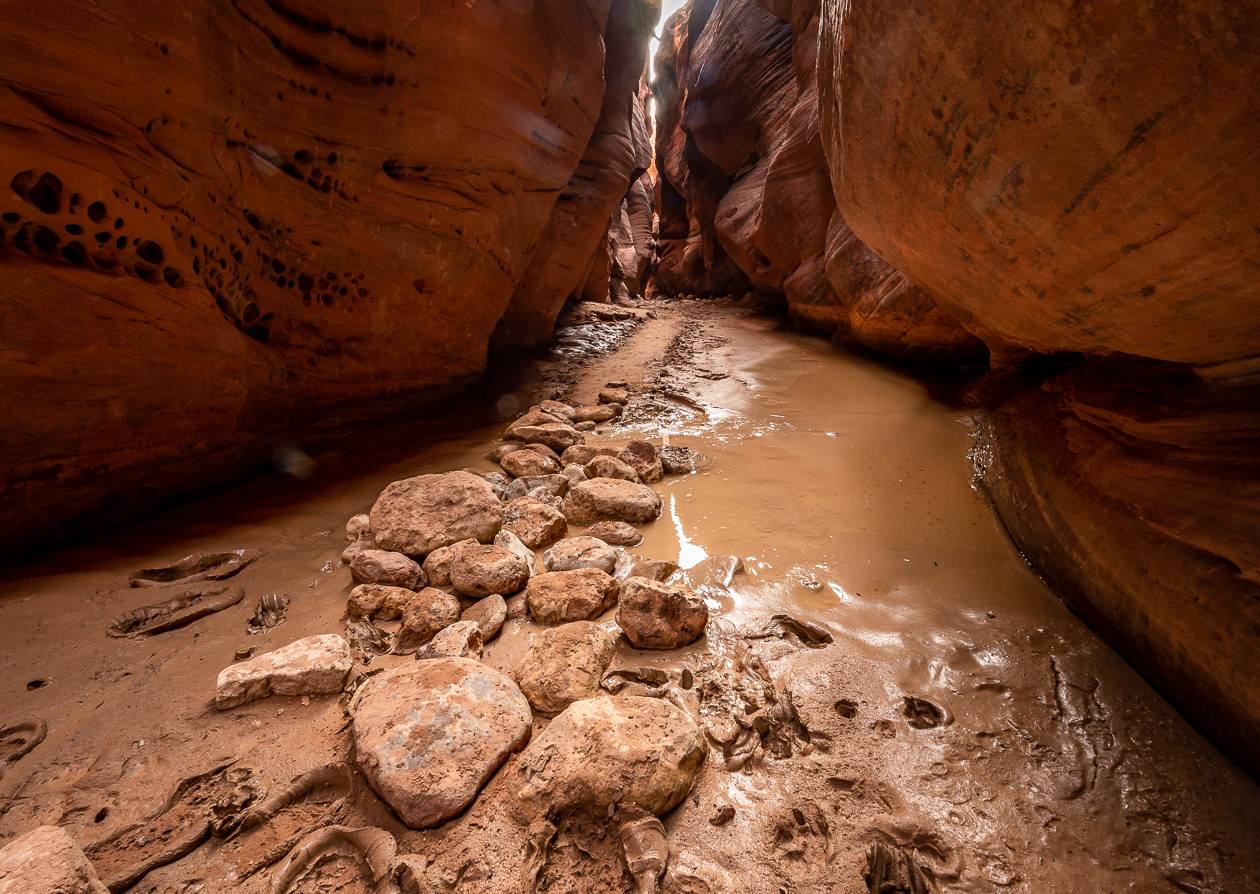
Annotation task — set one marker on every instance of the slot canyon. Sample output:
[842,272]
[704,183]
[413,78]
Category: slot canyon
[609,446]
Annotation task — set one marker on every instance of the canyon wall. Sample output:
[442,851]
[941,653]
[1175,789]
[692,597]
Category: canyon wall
[1071,191]
[224,223]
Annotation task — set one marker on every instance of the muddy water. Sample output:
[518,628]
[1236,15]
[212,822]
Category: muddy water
[844,489]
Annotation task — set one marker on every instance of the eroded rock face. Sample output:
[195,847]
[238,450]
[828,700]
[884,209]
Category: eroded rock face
[565,664]
[47,860]
[304,194]
[630,751]
[418,515]
[428,735]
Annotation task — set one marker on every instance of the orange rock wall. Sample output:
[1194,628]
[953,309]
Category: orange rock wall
[221,223]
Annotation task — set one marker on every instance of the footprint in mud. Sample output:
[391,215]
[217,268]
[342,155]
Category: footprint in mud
[18,740]
[178,611]
[804,834]
[338,858]
[923,714]
[199,807]
[197,567]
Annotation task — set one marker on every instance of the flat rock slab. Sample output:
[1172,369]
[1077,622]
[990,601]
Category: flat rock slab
[47,860]
[429,735]
[418,515]
[611,499]
[625,751]
[316,665]
[565,664]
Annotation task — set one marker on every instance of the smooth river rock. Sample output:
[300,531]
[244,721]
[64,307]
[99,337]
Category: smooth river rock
[489,615]
[616,533]
[565,664]
[624,751]
[480,570]
[523,463]
[611,467]
[557,597]
[418,515]
[428,735]
[390,569]
[610,499]
[580,552]
[378,602]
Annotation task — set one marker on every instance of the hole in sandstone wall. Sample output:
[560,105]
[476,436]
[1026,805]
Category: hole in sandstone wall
[97,212]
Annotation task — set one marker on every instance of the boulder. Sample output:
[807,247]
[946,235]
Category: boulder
[390,569]
[357,527]
[316,665]
[641,456]
[418,515]
[657,615]
[611,467]
[565,664]
[498,482]
[534,522]
[429,734]
[613,395]
[428,613]
[584,426]
[461,640]
[508,540]
[682,460]
[580,552]
[598,413]
[616,533]
[629,565]
[558,436]
[489,615]
[611,499]
[480,570]
[437,564]
[557,408]
[581,454]
[552,485]
[573,473]
[379,602]
[601,753]
[543,449]
[557,597]
[46,860]
[523,463]
[537,416]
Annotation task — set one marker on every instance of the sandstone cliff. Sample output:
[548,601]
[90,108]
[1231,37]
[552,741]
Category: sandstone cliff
[940,181]
[221,223]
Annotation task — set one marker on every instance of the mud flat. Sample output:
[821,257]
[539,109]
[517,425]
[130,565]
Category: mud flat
[879,667]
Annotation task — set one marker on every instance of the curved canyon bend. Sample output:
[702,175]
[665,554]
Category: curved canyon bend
[629,447]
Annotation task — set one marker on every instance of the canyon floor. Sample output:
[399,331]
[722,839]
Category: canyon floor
[923,688]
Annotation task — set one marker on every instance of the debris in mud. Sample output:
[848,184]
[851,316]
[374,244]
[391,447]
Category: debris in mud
[268,613]
[807,633]
[19,739]
[197,567]
[646,850]
[804,834]
[201,805]
[682,460]
[890,870]
[366,638]
[177,611]
[722,815]
[923,714]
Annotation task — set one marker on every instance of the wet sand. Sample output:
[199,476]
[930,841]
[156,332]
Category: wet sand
[1046,764]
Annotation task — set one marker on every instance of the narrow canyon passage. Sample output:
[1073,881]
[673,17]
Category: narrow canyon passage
[609,446]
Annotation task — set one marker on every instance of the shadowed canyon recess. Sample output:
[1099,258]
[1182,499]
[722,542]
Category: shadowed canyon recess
[586,446]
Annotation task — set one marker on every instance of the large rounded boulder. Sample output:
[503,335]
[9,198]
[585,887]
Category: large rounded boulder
[623,751]
[611,499]
[565,664]
[429,734]
[418,515]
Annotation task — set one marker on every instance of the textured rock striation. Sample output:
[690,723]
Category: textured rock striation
[954,183]
[223,224]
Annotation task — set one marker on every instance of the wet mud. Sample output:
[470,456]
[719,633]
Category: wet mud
[890,695]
